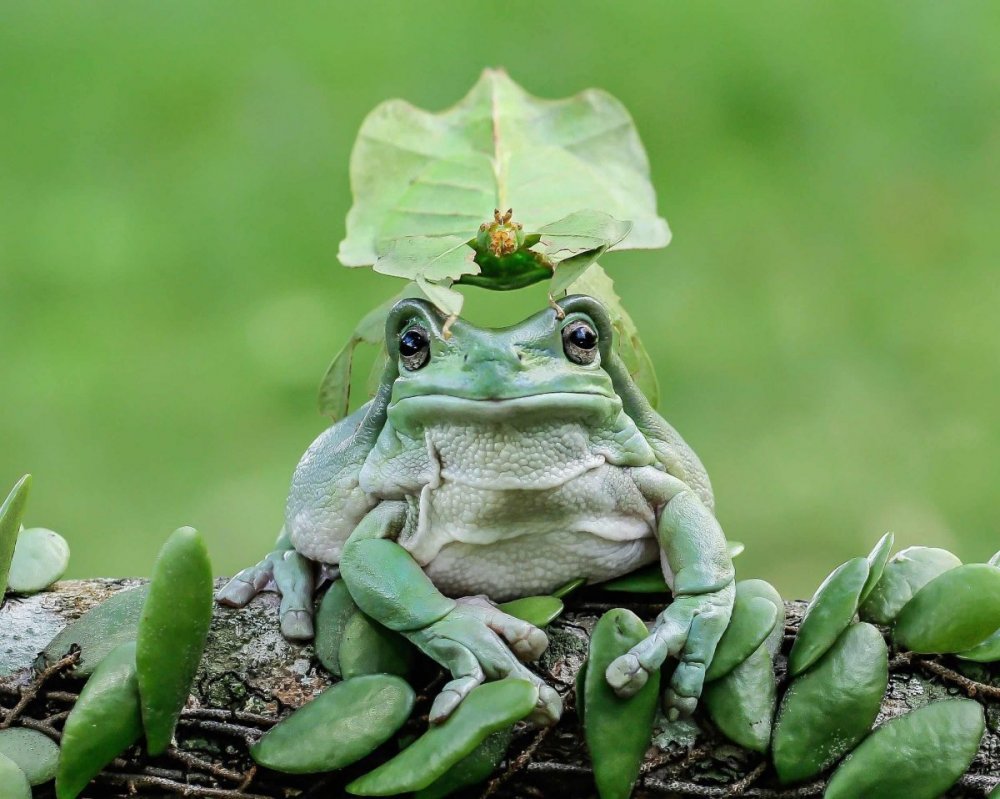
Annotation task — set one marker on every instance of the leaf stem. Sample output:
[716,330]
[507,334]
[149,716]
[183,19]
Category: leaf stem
[134,781]
[972,688]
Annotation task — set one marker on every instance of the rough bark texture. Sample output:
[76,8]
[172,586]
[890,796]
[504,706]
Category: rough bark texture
[251,677]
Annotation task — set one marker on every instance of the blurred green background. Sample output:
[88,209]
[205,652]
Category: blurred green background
[825,325]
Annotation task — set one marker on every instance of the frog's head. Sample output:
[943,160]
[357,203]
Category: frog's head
[549,363]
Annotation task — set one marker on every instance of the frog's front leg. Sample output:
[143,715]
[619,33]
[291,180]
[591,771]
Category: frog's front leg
[690,627]
[470,637]
[285,571]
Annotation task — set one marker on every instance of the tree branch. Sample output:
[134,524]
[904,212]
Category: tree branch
[251,677]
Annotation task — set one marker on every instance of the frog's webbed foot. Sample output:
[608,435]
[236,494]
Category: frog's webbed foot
[689,629]
[476,641]
[286,572]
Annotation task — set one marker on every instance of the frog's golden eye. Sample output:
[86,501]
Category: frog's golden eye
[414,348]
[580,342]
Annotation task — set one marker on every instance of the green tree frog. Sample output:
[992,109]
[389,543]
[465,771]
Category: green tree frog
[495,464]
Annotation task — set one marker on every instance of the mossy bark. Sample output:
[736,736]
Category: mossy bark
[250,677]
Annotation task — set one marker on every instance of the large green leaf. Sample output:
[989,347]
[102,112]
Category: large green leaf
[424,182]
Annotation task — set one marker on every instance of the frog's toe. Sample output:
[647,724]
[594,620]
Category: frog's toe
[526,641]
[626,675]
[246,585]
[297,625]
[528,644]
[678,706]
[549,709]
[451,695]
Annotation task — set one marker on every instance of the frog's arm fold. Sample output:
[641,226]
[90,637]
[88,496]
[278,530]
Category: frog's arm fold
[384,579]
[690,627]
[672,451]
[470,637]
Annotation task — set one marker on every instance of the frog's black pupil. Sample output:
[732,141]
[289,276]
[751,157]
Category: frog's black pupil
[583,337]
[411,342]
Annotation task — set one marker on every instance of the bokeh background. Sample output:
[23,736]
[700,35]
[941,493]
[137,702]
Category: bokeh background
[825,325]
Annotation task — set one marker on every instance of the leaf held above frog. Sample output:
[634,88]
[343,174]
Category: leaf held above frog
[418,173]
[573,169]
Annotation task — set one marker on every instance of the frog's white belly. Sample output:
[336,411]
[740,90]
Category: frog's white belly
[509,542]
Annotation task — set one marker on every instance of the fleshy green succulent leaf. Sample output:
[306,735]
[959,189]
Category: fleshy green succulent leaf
[877,559]
[40,558]
[763,589]
[617,730]
[742,703]
[343,724]
[335,610]
[11,513]
[35,753]
[596,283]
[100,630]
[752,622]
[828,710]
[473,769]
[986,652]
[104,722]
[647,580]
[416,173]
[540,611]
[173,629]
[916,756]
[367,647]
[13,781]
[905,574]
[487,709]
[954,612]
[830,611]
[564,591]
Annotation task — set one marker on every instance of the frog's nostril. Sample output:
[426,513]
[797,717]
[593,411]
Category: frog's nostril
[465,358]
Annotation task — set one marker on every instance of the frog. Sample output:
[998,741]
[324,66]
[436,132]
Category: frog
[498,463]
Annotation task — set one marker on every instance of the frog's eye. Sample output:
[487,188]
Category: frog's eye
[414,348]
[580,342]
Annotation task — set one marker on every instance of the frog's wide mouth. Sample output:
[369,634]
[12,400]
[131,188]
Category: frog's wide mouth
[442,408]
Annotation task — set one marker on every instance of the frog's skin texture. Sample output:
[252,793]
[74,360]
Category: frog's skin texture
[495,464]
